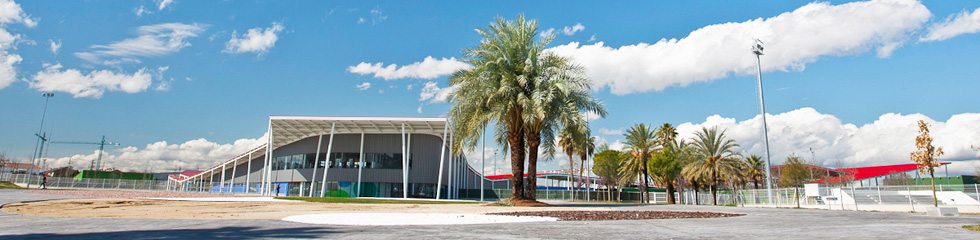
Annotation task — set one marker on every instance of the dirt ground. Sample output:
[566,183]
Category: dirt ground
[168,209]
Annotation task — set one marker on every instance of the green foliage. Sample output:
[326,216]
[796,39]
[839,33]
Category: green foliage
[975,228]
[716,159]
[607,164]
[664,167]
[795,172]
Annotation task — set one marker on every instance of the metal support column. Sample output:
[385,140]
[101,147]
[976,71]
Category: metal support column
[442,159]
[266,171]
[222,187]
[404,165]
[234,170]
[248,172]
[452,160]
[316,163]
[326,166]
[360,167]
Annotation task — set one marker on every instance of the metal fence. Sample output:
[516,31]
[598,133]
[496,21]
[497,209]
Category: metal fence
[913,198]
[91,183]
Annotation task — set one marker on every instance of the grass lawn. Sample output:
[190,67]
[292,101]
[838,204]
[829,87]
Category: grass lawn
[365,200]
[8,185]
[975,228]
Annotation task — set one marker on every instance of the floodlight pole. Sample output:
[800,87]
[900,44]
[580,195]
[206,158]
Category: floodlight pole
[757,49]
[40,138]
[483,161]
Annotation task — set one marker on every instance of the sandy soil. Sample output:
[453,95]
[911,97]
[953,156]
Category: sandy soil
[166,209]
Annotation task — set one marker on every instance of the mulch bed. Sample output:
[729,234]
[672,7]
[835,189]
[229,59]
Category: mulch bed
[617,215]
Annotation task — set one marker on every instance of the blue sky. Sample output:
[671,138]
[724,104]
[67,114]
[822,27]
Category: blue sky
[190,83]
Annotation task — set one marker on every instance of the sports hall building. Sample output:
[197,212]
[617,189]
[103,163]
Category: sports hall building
[389,157]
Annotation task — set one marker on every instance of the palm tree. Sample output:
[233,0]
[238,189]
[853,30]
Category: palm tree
[585,149]
[640,145]
[568,141]
[525,91]
[717,158]
[754,169]
[560,93]
[665,168]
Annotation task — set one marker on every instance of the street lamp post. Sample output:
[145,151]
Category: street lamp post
[40,138]
[757,49]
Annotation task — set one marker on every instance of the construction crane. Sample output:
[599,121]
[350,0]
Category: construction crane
[98,163]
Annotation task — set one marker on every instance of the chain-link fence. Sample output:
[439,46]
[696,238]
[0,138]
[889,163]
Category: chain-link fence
[872,198]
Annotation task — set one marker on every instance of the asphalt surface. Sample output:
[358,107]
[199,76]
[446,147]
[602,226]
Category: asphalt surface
[759,223]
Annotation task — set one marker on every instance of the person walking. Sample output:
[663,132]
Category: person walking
[44,181]
[277,190]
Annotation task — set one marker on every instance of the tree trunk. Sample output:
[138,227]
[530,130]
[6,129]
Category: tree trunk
[714,188]
[697,199]
[796,194]
[670,193]
[516,140]
[932,174]
[734,195]
[531,189]
[644,194]
[571,173]
[581,172]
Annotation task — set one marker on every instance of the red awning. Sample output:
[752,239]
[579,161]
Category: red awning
[861,173]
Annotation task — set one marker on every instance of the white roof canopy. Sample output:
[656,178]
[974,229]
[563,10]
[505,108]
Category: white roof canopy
[289,129]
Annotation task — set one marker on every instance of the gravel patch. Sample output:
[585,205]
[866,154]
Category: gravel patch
[617,215]
[127,194]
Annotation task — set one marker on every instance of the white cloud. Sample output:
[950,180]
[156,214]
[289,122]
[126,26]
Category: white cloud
[428,68]
[592,38]
[364,86]
[578,27]
[140,11]
[886,141]
[197,154]
[590,116]
[547,33]
[10,12]
[152,41]
[605,131]
[256,40]
[954,25]
[573,29]
[432,93]
[55,45]
[93,84]
[792,39]
[360,20]
[164,4]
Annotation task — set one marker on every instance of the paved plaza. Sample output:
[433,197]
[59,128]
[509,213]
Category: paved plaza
[758,223]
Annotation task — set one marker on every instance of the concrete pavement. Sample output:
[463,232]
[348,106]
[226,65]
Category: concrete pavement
[759,223]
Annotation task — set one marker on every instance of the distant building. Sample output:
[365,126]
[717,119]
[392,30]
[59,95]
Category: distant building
[21,168]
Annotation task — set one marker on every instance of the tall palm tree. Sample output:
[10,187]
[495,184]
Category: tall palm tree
[497,89]
[717,158]
[525,91]
[640,144]
[665,168]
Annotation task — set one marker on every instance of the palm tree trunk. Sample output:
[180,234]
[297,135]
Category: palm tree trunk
[531,189]
[714,188]
[581,170]
[645,176]
[670,193]
[571,172]
[516,140]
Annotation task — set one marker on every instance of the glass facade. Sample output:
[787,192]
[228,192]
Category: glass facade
[341,160]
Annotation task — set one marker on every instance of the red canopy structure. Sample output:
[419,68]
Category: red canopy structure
[861,173]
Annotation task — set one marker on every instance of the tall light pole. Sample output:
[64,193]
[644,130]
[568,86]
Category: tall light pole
[483,161]
[40,137]
[757,49]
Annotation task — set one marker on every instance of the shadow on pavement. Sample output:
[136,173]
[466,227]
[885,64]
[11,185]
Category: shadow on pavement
[215,233]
